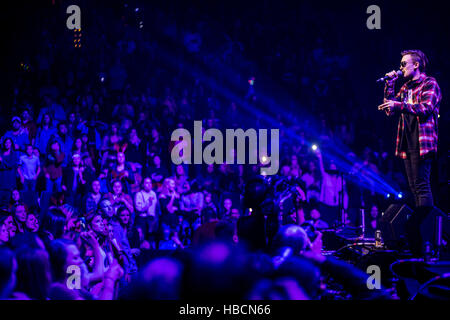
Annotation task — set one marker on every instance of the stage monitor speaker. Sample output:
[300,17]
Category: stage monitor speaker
[428,227]
[393,222]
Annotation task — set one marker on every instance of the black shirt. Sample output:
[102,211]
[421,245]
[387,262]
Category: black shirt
[411,133]
[410,137]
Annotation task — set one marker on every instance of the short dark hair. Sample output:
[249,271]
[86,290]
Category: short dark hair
[90,217]
[121,209]
[4,143]
[52,142]
[53,222]
[418,56]
[14,208]
[62,123]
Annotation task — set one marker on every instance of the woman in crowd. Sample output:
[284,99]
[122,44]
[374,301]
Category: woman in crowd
[120,224]
[156,143]
[117,197]
[65,259]
[123,172]
[72,123]
[169,201]
[114,138]
[96,225]
[181,180]
[147,213]
[208,203]
[294,163]
[53,225]
[90,171]
[192,202]
[9,224]
[135,152]
[372,221]
[74,181]
[157,172]
[93,197]
[45,131]
[9,160]
[15,198]
[225,211]
[19,213]
[4,234]
[29,125]
[53,167]
[32,223]
[79,147]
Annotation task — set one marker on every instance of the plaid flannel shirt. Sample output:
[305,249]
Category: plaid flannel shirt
[420,97]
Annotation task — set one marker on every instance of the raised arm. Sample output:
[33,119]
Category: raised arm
[97,273]
[389,88]
[319,156]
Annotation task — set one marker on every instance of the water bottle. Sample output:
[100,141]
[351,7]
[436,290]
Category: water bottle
[378,240]
[427,251]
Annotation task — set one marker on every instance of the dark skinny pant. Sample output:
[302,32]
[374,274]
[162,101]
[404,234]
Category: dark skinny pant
[418,172]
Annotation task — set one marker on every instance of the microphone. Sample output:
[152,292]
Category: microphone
[398,72]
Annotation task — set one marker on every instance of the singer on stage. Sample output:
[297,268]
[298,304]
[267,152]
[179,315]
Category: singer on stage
[417,104]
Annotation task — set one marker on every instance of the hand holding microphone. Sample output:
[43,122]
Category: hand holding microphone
[390,106]
[392,76]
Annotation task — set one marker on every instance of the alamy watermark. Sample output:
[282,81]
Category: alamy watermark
[74,20]
[374,281]
[214,151]
[74,279]
[374,20]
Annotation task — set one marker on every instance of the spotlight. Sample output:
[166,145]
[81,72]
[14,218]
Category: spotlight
[399,195]
[388,195]
[264,159]
[314,147]
[136,10]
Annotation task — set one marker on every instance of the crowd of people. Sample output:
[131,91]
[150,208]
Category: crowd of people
[87,182]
